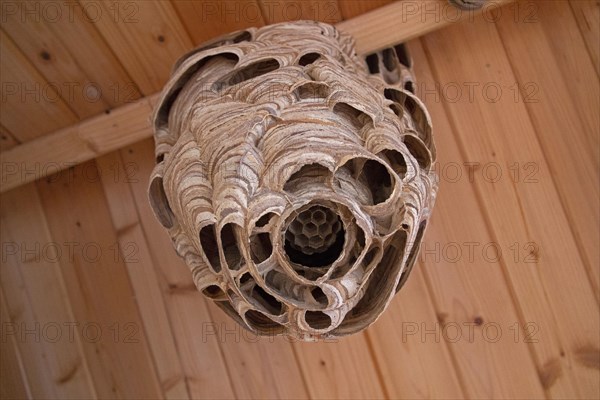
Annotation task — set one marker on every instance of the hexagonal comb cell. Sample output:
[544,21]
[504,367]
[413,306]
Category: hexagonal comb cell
[314,230]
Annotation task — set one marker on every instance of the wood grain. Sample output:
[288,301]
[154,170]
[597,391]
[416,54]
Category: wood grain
[98,285]
[146,36]
[206,20]
[142,274]
[413,363]
[259,367]
[13,382]
[75,144]
[404,20]
[565,41]
[330,361]
[69,52]
[293,10]
[458,269]
[552,119]
[7,140]
[31,106]
[587,13]
[528,214]
[353,8]
[34,264]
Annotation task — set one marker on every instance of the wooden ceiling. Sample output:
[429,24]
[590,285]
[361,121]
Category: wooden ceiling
[542,292]
[503,303]
[63,61]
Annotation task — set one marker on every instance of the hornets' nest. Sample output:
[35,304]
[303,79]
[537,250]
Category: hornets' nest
[294,177]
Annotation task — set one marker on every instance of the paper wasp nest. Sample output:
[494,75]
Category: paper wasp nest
[294,177]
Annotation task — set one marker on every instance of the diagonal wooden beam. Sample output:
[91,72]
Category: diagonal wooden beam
[407,19]
[383,27]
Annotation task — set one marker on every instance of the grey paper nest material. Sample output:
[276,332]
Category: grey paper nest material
[294,177]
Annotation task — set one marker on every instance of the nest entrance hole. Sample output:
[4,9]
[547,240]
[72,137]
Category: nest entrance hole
[315,237]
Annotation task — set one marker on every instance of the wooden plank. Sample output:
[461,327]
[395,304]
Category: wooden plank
[554,291]
[142,273]
[206,20]
[414,364]
[64,145]
[205,370]
[115,181]
[146,36]
[98,286]
[30,106]
[294,10]
[459,271]
[75,144]
[553,123]
[149,297]
[404,20]
[69,52]
[354,8]
[13,378]
[37,259]
[565,41]
[587,14]
[20,314]
[259,367]
[203,364]
[7,140]
[340,369]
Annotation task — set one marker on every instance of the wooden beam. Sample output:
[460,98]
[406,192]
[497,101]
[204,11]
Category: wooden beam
[404,20]
[93,137]
[75,144]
